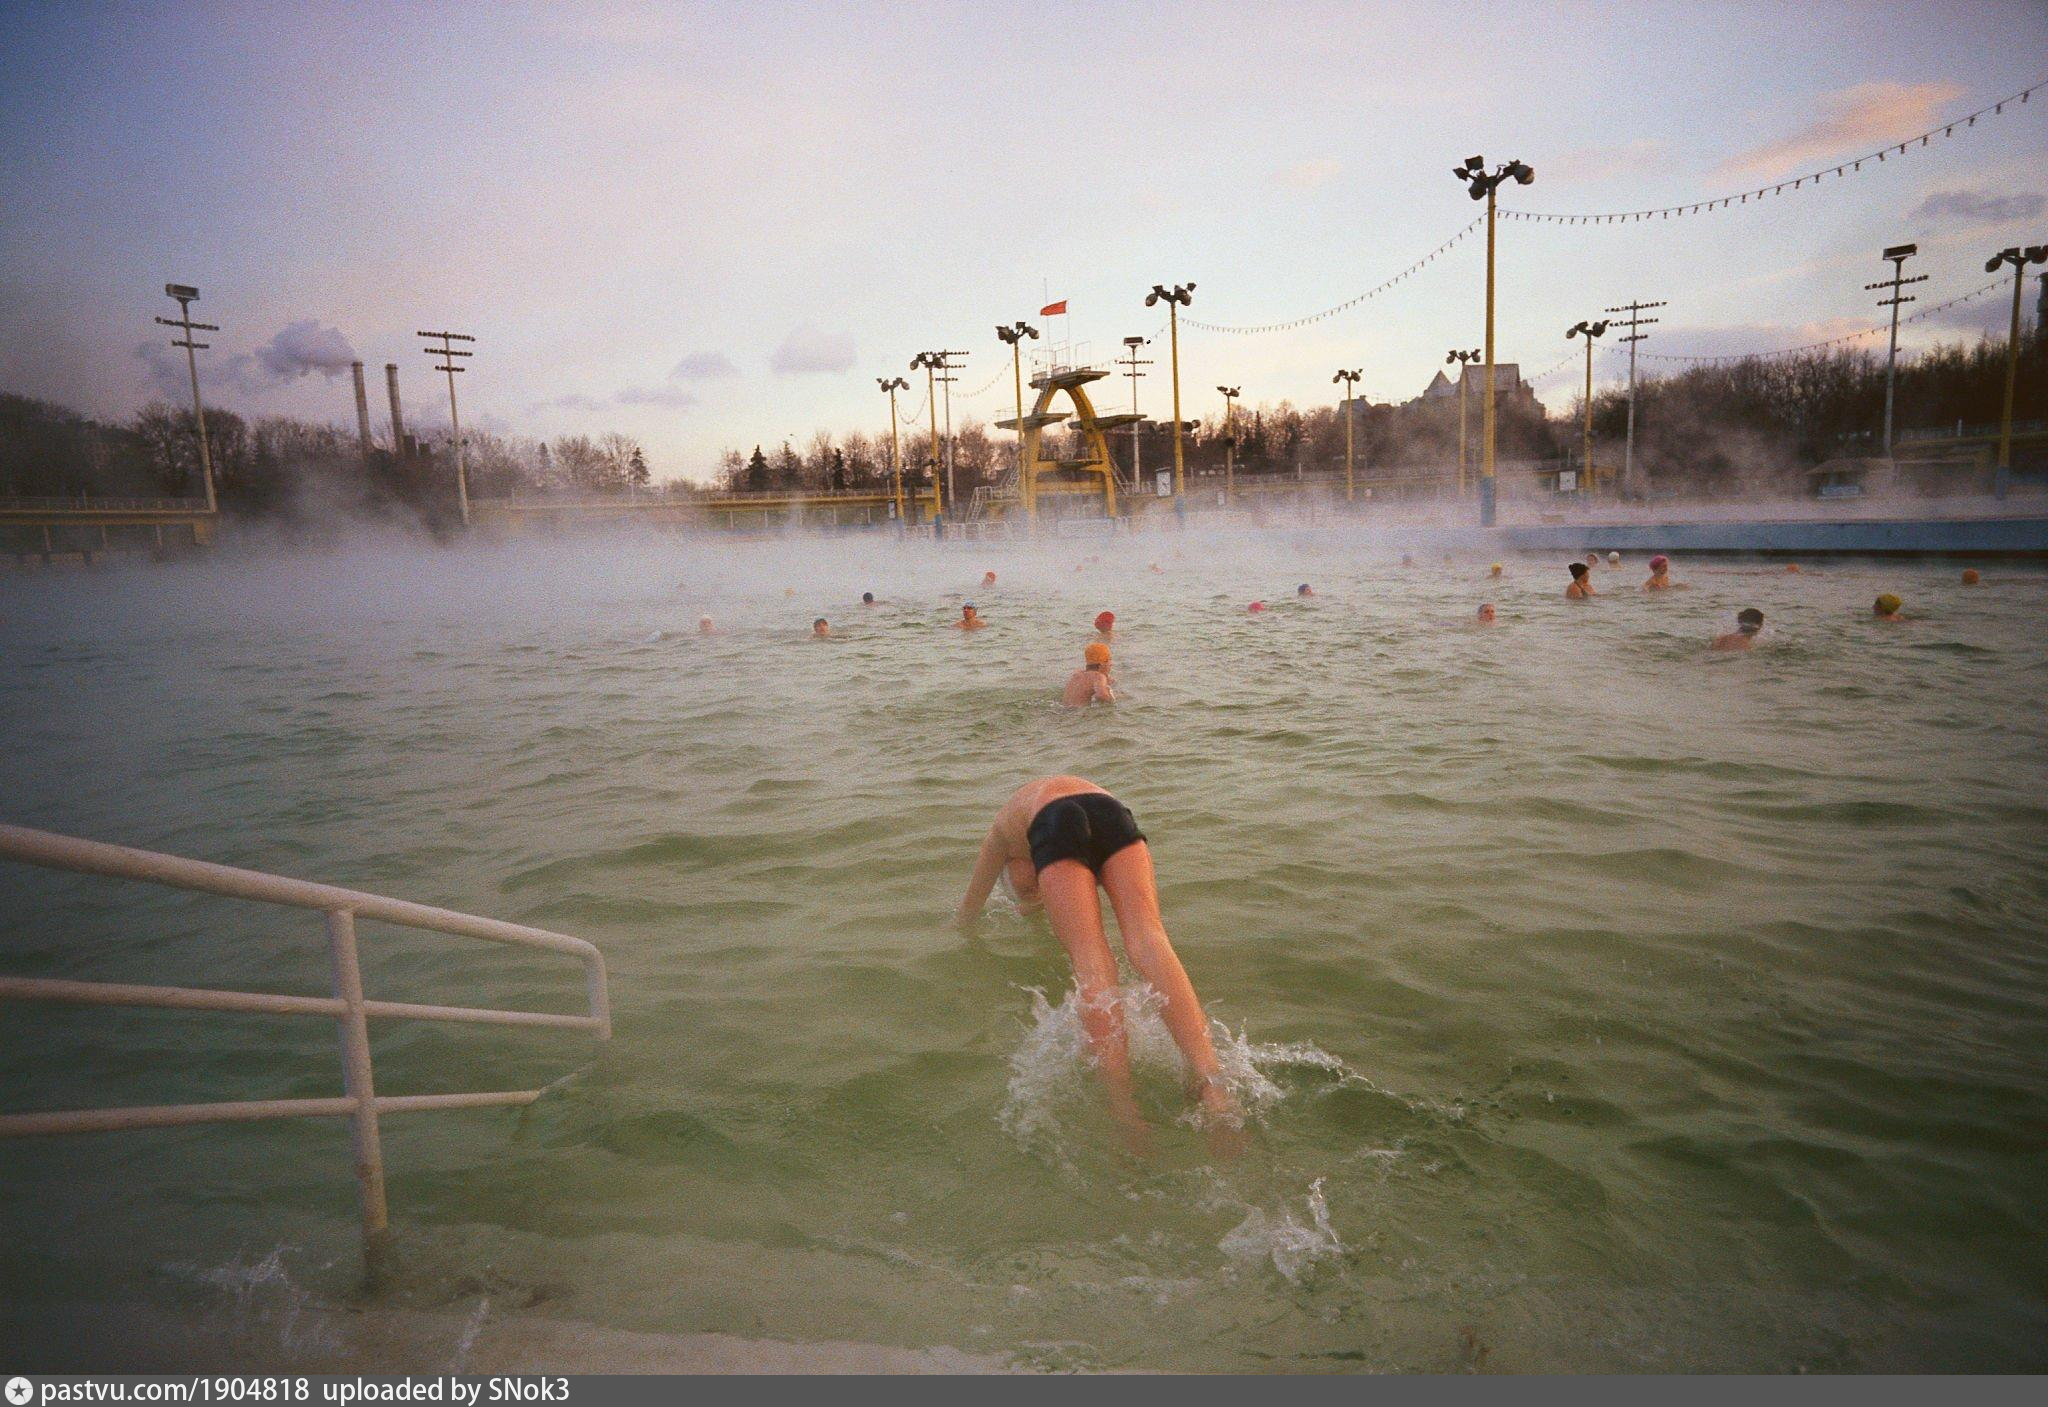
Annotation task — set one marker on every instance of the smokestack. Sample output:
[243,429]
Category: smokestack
[397,415]
[362,411]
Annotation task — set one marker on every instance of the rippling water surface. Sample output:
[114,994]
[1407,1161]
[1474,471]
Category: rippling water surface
[1600,1004]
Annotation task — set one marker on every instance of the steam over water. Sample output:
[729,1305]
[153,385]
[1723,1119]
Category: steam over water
[1598,1004]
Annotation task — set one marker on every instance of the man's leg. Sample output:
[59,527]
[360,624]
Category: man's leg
[1127,875]
[1067,888]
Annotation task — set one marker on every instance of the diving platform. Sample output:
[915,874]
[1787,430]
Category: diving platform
[1038,421]
[1066,378]
[1117,422]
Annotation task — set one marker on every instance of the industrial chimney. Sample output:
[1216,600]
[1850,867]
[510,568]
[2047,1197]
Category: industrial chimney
[397,415]
[362,411]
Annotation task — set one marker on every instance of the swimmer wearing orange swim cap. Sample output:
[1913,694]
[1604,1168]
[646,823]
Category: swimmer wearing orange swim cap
[1970,577]
[1887,607]
[1090,684]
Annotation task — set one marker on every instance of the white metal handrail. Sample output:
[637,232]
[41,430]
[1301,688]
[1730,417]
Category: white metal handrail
[351,1011]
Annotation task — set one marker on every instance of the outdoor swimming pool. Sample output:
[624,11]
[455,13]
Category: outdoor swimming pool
[1601,1005]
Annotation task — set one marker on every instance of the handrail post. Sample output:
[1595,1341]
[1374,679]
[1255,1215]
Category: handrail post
[356,1079]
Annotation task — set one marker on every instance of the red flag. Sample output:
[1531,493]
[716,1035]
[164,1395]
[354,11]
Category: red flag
[1053,309]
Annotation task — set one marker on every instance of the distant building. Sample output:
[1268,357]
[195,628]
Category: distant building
[1507,381]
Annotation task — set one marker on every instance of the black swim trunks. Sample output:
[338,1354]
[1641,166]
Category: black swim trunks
[1089,826]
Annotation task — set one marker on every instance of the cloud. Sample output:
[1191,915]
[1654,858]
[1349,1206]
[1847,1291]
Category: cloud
[1308,175]
[1601,163]
[303,347]
[1865,116]
[573,401]
[298,350]
[1741,339]
[675,397]
[703,366]
[1978,208]
[809,350]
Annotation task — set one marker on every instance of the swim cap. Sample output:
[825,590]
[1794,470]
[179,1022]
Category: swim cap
[1614,559]
[1887,604]
[1750,617]
[868,597]
[969,606]
[1096,653]
[1256,606]
[1970,577]
[1496,569]
[1302,590]
[1659,562]
[1105,620]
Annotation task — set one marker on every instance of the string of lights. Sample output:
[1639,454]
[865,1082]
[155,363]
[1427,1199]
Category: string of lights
[914,419]
[1563,363]
[1840,171]
[1824,344]
[1415,268]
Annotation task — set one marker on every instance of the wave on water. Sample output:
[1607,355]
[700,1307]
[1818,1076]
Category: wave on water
[1291,1245]
[1051,1069]
[266,1306]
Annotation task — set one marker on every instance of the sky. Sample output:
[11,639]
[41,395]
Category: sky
[716,225]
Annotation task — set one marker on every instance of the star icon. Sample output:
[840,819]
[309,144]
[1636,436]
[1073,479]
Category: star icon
[19,1391]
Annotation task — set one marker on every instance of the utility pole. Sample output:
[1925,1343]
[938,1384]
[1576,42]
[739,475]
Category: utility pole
[1898,254]
[1349,379]
[186,296]
[1130,363]
[448,352]
[893,384]
[2019,259]
[1230,395]
[1482,187]
[1464,360]
[1014,334]
[1589,331]
[1635,324]
[1180,296]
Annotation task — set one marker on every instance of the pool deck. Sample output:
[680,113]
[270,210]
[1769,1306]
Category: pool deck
[1948,537]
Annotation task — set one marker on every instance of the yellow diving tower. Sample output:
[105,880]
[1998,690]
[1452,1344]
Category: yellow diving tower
[1043,473]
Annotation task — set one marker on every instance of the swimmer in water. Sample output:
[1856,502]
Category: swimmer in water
[1494,570]
[1887,607]
[1407,560]
[1592,559]
[1792,567]
[1743,637]
[1304,590]
[1660,574]
[1105,624]
[867,598]
[821,629]
[1057,838]
[1255,607]
[1090,684]
[1486,614]
[988,578]
[1581,589]
[1614,559]
[1970,577]
[705,627]
[970,618]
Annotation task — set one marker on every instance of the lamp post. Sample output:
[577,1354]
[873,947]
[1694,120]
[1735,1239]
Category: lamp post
[1177,298]
[1014,334]
[2019,259]
[1130,361]
[1898,254]
[186,296]
[1464,360]
[1481,187]
[1589,331]
[1349,379]
[1230,395]
[932,363]
[893,384]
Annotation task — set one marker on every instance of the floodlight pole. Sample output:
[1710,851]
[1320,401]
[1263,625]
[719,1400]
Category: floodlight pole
[1464,360]
[1230,394]
[2019,259]
[1175,297]
[186,296]
[1131,363]
[1635,325]
[448,352]
[1898,254]
[1027,491]
[1479,184]
[1350,393]
[1589,331]
[931,362]
[892,384]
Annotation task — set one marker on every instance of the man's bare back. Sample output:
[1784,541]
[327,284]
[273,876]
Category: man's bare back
[1087,686]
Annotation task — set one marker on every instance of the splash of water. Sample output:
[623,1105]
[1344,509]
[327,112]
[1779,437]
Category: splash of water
[1289,1244]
